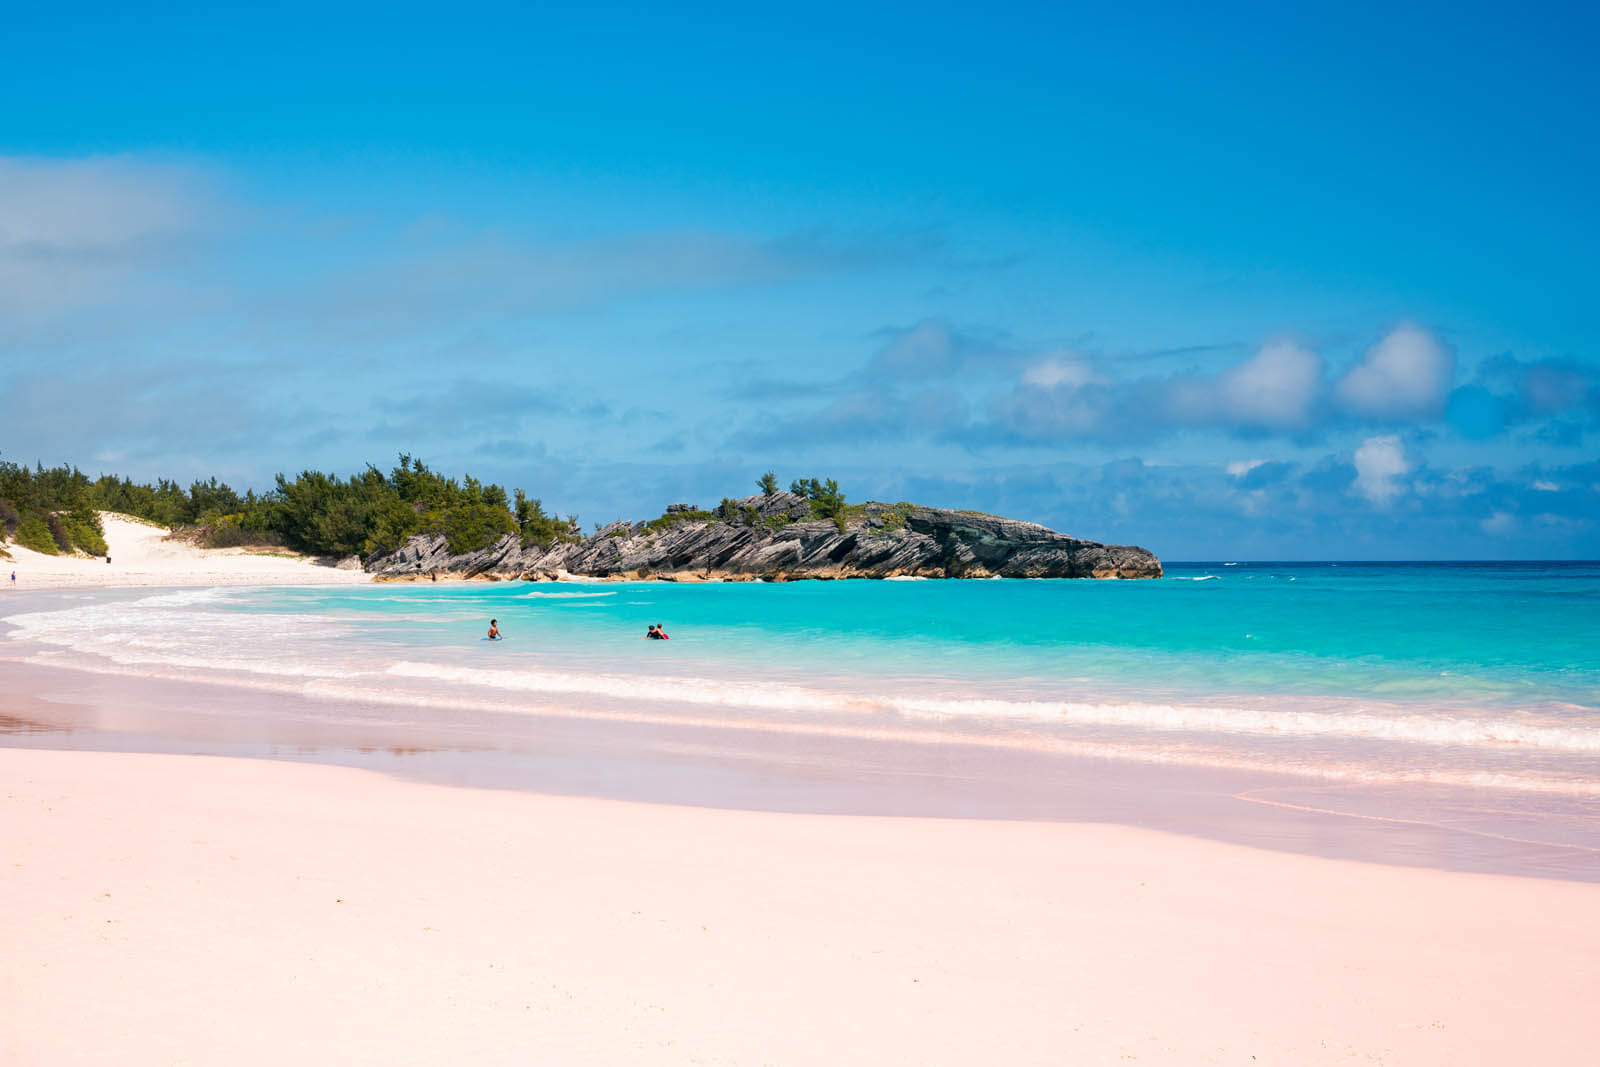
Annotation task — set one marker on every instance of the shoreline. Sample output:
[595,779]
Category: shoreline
[396,922]
[738,763]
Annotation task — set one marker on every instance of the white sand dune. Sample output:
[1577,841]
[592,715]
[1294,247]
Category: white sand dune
[141,555]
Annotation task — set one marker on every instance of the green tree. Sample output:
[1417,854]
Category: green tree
[35,534]
[768,484]
[828,502]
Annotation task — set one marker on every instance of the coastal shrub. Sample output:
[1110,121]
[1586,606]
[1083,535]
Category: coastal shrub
[210,500]
[230,532]
[751,515]
[538,528]
[470,528]
[34,533]
[728,510]
[324,514]
[88,538]
[662,522]
[59,533]
[164,503]
[827,502]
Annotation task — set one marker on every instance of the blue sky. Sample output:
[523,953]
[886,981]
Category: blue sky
[1246,283]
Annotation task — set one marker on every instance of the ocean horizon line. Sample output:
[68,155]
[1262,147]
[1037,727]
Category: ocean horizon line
[1487,562]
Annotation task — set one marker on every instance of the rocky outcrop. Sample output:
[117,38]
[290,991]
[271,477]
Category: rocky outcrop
[776,539]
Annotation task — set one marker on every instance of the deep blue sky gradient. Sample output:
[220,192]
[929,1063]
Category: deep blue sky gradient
[1241,283]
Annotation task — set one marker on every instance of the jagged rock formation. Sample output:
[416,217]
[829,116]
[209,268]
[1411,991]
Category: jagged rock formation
[776,539]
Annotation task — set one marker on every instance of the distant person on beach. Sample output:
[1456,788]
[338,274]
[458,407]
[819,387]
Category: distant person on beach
[13,579]
[494,629]
[658,633]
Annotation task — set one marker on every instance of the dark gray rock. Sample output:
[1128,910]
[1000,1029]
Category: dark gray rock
[785,543]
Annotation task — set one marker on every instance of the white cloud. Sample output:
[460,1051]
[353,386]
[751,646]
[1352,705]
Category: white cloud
[1276,388]
[1498,524]
[1240,467]
[1407,374]
[1279,388]
[1546,487]
[1380,461]
[77,232]
[1058,372]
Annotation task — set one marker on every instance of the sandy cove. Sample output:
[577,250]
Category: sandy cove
[141,555]
[187,909]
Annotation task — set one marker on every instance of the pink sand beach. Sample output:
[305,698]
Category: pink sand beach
[161,905]
[187,909]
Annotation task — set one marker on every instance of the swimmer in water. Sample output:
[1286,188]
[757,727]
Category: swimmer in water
[494,629]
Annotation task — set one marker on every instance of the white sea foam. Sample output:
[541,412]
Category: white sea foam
[758,695]
[1203,718]
[185,629]
[562,596]
[1186,718]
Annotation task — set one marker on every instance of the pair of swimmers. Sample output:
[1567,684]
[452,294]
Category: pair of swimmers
[656,632]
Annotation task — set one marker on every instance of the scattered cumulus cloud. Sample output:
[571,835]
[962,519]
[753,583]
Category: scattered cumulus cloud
[1499,524]
[1277,388]
[1380,463]
[1406,375]
[1054,372]
[1282,390]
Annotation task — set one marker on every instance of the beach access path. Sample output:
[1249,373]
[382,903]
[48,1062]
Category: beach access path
[191,909]
[141,555]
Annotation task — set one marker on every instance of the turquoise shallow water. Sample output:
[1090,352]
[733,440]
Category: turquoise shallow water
[1482,674]
[1514,634]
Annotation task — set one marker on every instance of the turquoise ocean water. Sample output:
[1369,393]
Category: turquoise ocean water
[1482,675]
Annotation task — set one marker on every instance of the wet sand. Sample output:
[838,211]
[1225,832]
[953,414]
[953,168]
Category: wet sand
[744,764]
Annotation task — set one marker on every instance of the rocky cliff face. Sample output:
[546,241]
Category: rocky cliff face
[775,539]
